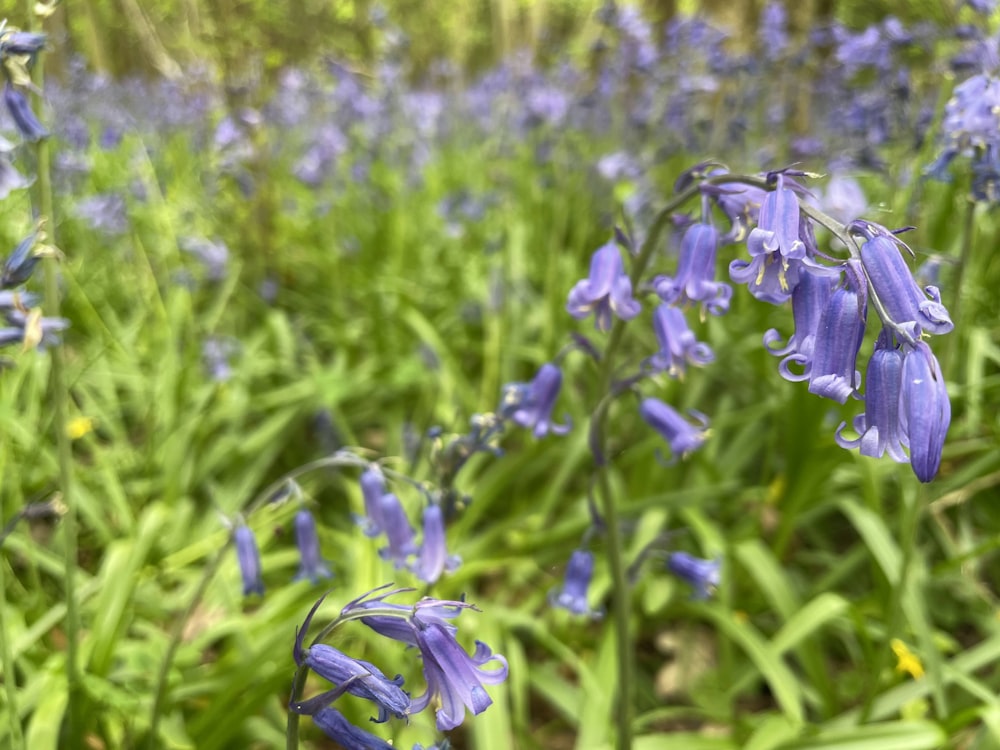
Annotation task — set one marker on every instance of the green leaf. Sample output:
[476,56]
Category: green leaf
[898,735]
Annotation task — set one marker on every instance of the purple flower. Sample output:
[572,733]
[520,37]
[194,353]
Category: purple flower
[365,679]
[530,405]
[769,276]
[433,558]
[809,299]
[313,566]
[454,678]
[925,409]
[894,287]
[777,229]
[606,290]
[682,436]
[397,530]
[21,264]
[741,205]
[880,429]
[695,279]
[703,575]
[838,338]
[344,733]
[372,489]
[678,345]
[573,595]
[248,557]
[844,199]
[22,115]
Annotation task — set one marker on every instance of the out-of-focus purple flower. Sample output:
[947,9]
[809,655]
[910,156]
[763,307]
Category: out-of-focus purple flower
[838,338]
[216,352]
[21,263]
[606,290]
[925,409]
[17,42]
[21,113]
[213,255]
[397,530]
[880,429]
[809,299]
[10,178]
[312,565]
[248,557]
[681,435]
[678,345]
[983,7]
[773,30]
[702,575]
[454,678]
[372,489]
[340,730]
[893,284]
[695,279]
[530,405]
[573,594]
[844,199]
[104,213]
[433,558]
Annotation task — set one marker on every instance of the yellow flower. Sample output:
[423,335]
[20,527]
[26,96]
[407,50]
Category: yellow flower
[78,427]
[908,661]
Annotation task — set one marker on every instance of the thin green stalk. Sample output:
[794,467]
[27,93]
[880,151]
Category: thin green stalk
[964,259]
[6,653]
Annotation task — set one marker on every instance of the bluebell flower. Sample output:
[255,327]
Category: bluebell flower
[455,679]
[340,730]
[372,489]
[573,594]
[313,566]
[809,299]
[10,178]
[22,115]
[678,345]
[702,575]
[844,199]
[925,409]
[397,530]
[606,290]
[248,557]
[17,42]
[530,405]
[18,268]
[839,335]
[741,205]
[362,679]
[398,627]
[695,279]
[682,436]
[777,230]
[893,284]
[433,558]
[880,429]
[769,276]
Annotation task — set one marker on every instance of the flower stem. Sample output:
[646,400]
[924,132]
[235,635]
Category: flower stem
[6,653]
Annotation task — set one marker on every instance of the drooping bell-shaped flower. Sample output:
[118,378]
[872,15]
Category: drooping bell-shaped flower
[364,679]
[809,299]
[397,530]
[372,489]
[777,230]
[573,594]
[530,405]
[312,565]
[678,345]
[880,429]
[925,409]
[695,278]
[682,436]
[23,116]
[335,726]
[606,290]
[248,557]
[702,575]
[433,558]
[838,338]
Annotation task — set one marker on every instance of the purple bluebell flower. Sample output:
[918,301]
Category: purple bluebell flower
[105,213]
[702,575]
[18,268]
[214,255]
[397,530]
[365,679]
[741,205]
[248,557]
[454,678]
[773,30]
[893,284]
[22,115]
[809,299]
[10,178]
[530,405]
[695,279]
[573,594]
[838,338]
[880,429]
[844,199]
[606,290]
[682,436]
[216,352]
[372,489]
[17,42]
[340,730]
[312,566]
[433,558]
[769,276]
[678,345]
[777,229]
[925,409]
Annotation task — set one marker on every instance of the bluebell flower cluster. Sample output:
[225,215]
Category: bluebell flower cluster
[455,679]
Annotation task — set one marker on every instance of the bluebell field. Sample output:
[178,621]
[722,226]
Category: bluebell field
[633,386]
